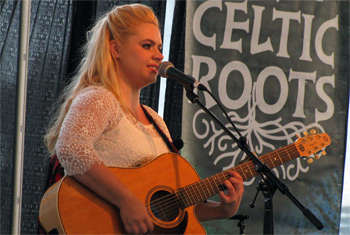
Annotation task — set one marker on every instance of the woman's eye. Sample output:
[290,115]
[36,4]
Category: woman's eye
[146,46]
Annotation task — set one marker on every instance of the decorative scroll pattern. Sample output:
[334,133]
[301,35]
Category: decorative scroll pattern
[259,137]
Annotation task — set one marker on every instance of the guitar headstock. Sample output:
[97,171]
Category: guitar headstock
[312,143]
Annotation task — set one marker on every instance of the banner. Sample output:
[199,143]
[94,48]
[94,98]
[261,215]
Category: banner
[280,69]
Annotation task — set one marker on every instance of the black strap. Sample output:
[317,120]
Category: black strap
[170,144]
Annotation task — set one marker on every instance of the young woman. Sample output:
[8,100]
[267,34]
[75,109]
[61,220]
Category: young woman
[102,124]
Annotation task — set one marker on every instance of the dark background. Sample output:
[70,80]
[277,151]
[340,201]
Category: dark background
[57,31]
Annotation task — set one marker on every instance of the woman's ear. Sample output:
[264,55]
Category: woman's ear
[113,47]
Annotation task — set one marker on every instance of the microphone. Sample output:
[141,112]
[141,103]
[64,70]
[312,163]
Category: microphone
[167,70]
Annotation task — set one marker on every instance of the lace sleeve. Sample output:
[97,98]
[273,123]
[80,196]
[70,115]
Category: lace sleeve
[90,114]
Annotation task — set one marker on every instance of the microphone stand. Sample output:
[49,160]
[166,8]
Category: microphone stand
[241,224]
[272,182]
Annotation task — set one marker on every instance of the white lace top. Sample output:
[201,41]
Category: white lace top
[96,130]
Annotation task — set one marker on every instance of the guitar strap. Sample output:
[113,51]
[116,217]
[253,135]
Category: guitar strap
[169,143]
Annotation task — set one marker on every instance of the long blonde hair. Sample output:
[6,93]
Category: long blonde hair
[97,68]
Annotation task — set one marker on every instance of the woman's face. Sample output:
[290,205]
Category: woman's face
[139,56]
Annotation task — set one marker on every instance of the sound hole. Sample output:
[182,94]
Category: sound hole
[164,206]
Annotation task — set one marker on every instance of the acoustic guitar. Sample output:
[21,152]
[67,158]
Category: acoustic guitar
[169,186]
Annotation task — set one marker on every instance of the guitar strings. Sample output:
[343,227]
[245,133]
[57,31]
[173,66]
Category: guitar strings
[190,187]
[283,156]
[195,185]
[173,202]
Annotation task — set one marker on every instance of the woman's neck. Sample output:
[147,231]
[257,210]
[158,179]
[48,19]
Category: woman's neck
[131,99]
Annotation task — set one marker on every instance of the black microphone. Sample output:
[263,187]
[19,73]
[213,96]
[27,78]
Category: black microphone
[167,70]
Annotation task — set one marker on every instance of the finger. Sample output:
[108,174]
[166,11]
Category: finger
[229,185]
[143,228]
[236,180]
[130,229]
[150,225]
[226,198]
[236,183]
[223,196]
[231,189]
[136,227]
[235,175]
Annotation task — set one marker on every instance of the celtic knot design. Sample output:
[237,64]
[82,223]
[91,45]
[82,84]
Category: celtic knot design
[258,135]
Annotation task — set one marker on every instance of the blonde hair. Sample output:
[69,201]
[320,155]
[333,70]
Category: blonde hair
[97,68]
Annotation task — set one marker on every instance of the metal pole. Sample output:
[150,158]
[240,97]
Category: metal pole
[20,114]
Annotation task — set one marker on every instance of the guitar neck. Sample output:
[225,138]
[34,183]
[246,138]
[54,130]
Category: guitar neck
[204,189]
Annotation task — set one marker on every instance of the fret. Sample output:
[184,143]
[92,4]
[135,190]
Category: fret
[202,192]
[187,197]
[281,158]
[182,198]
[273,158]
[290,157]
[218,182]
[205,190]
[251,169]
[208,187]
[244,175]
[186,189]
[195,194]
[251,166]
[211,186]
[215,181]
[292,152]
[285,154]
[223,176]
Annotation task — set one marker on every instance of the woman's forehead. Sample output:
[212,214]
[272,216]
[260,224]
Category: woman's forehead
[147,31]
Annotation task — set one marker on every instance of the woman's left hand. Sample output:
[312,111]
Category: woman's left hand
[232,199]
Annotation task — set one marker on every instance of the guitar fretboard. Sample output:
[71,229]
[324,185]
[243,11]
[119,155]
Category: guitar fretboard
[206,188]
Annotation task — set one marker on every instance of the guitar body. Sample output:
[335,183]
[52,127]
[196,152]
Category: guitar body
[169,186]
[71,208]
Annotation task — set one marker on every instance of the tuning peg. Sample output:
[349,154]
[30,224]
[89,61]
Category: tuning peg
[305,133]
[313,131]
[297,135]
[310,160]
[316,157]
[323,153]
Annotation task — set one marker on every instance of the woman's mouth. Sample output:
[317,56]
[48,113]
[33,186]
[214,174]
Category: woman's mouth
[153,68]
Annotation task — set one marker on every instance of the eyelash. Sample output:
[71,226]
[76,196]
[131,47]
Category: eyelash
[148,46]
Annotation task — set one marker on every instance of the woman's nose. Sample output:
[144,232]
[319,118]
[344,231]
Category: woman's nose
[158,55]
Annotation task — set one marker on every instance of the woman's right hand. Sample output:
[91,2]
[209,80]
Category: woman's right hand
[133,212]
[134,216]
